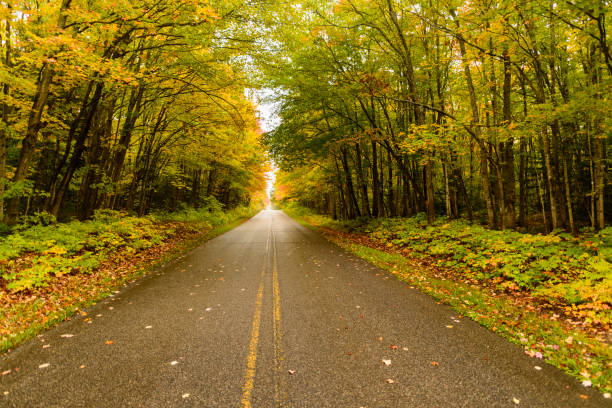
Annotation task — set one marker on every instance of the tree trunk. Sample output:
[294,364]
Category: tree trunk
[599,164]
[365,205]
[568,196]
[133,111]
[100,135]
[507,151]
[5,109]
[523,186]
[79,147]
[447,197]
[390,194]
[549,180]
[484,165]
[353,205]
[375,182]
[28,144]
[429,189]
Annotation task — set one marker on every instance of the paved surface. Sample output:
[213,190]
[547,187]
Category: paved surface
[270,314]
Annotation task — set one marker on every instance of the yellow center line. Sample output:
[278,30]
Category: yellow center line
[249,374]
[278,334]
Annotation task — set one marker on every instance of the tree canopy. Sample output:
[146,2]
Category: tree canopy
[134,105]
[497,111]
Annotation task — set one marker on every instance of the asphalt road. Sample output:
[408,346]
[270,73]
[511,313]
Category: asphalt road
[271,314]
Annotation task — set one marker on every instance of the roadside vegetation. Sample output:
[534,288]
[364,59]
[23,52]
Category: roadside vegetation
[551,294]
[48,272]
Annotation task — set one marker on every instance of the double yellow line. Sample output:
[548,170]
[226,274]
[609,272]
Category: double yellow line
[251,362]
[279,374]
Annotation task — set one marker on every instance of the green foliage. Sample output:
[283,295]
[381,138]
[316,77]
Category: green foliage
[560,269]
[31,257]
[39,218]
[210,215]
[543,263]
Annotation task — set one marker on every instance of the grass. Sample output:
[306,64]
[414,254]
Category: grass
[510,313]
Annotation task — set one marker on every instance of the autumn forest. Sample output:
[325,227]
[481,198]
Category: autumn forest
[490,111]
[461,146]
[123,105]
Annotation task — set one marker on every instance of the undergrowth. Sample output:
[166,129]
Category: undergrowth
[125,254]
[32,257]
[574,273]
[492,276]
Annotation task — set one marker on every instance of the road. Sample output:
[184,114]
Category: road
[271,314]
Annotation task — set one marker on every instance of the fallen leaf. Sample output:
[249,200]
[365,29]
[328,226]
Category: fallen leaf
[587,383]
[46,346]
[174,362]
[538,368]
[390,381]
[6,393]
[185,395]
[6,372]
[386,362]
[291,372]
[516,401]
[82,366]
[148,327]
[45,365]
[607,395]
[67,335]
[208,309]
[405,348]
